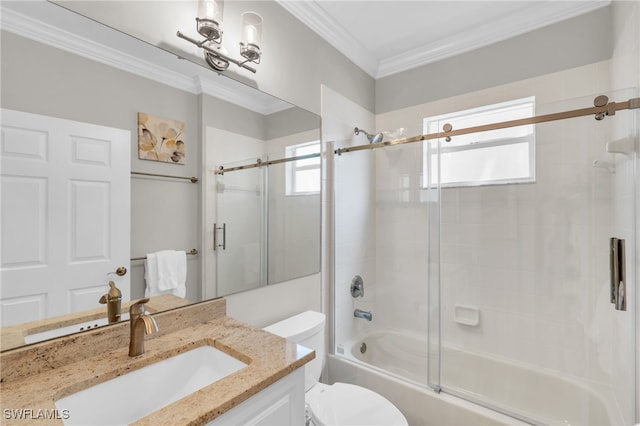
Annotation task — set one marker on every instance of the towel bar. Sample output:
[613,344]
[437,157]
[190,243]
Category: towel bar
[191,252]
[192,179]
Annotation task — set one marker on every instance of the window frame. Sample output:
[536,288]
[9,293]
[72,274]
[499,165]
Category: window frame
[529,139]
[292,169]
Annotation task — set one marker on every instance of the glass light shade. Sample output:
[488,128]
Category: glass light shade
[210,18]
[211,9]
[251,36]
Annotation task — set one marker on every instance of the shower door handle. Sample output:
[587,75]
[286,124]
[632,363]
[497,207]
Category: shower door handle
[617,265]
[217,228]
[621,293]
[613,269]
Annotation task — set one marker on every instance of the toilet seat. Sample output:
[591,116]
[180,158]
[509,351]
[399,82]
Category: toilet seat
[346,404]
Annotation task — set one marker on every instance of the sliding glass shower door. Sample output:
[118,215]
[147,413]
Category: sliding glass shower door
[382,241]
[528,312]
[240,230]
[497,267]
[267,226]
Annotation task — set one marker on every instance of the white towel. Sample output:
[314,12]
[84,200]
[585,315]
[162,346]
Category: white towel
[166,273]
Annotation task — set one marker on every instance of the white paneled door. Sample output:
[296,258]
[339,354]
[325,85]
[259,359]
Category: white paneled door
[65,205]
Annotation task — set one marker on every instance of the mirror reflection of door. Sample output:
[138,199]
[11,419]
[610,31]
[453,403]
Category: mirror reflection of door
[65,215]
[240,228]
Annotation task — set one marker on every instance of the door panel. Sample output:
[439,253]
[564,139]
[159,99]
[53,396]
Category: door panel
[65,215]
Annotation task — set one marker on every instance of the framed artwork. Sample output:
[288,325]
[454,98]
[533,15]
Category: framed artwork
[160,139]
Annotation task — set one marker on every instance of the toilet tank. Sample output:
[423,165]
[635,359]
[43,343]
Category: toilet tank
[306,329]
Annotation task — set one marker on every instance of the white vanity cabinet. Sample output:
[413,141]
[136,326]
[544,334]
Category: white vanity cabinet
[281,404]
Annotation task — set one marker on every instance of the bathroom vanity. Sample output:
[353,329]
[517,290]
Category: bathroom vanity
[265,387]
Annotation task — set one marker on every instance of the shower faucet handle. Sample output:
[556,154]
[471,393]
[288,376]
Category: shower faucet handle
[357,287]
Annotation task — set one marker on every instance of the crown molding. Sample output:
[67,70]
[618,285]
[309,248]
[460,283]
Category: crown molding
[59,38]
[190,77]
[319,21]
[242,95]
[537,16]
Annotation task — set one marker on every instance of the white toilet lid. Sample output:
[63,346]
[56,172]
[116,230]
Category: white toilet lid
[345,404]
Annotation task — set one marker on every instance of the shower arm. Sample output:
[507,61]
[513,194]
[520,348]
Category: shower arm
[377,138]
[601,109]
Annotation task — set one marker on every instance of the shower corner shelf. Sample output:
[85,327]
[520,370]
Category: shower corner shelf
[622,146]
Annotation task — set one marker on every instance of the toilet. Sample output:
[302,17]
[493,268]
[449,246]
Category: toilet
[340,403]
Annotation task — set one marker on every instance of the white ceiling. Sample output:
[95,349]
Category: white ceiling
[388,37]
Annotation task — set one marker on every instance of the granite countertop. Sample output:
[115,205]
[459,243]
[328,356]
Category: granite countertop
[47,371]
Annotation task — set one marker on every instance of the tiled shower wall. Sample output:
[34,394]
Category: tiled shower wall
[353,221]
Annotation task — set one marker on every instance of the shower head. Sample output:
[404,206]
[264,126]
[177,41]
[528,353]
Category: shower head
[372,138]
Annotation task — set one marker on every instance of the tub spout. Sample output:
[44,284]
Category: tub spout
[358,313]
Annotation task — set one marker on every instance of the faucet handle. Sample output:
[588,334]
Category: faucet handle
[137,308]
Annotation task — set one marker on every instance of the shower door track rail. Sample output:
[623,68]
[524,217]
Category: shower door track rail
[602,109]
[262,163]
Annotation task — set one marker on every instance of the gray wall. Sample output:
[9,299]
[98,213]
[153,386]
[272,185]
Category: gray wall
[233,118]
[579,41]
[297,61]
[289,122]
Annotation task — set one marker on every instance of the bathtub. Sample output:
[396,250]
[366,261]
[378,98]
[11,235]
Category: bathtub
[393,363]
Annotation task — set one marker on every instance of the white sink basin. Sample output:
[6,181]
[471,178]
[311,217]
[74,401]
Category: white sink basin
[132,396]
[75,328]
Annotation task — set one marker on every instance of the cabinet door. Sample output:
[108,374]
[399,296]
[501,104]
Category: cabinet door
[280,404]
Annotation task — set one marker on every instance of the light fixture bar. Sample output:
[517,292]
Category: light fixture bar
[209,25]
[216,53]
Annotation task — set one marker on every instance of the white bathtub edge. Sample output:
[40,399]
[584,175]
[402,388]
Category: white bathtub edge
[421,406]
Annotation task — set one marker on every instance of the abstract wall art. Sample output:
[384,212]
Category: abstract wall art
[160,139]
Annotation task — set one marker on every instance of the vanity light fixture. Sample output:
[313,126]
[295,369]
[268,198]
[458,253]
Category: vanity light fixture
[209,26]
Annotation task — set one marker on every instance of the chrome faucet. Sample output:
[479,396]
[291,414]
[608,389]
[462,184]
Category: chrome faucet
[358,313]
[113,300]
[140,324]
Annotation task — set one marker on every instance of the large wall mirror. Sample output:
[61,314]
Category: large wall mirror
[272,228]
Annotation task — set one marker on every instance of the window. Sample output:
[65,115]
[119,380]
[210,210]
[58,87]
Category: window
[303,176]
[484,158]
